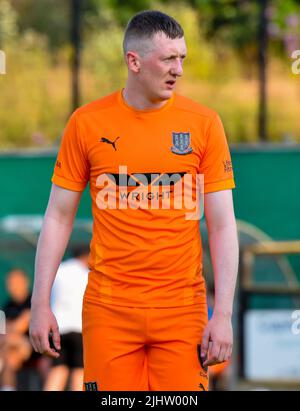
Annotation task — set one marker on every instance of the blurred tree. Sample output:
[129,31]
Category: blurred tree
[124,10]
[36,34]
[76,12]
[262,45]
[285,25]
[8,23]
[245,25]
[48,17]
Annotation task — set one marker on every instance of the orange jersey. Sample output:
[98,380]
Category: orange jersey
[143,257]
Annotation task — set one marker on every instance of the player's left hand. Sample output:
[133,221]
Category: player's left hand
[217,340]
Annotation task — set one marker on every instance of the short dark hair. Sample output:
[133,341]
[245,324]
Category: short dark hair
[149,22]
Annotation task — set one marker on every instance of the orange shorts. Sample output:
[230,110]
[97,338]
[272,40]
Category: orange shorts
[143,349]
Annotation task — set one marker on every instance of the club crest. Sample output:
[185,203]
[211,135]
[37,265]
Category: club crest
[181,143]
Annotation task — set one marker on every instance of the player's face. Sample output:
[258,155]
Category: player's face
[161,67]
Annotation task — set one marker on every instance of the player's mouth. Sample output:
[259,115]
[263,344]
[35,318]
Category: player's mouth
[170,84]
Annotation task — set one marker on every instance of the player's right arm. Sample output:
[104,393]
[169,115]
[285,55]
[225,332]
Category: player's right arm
[56,230]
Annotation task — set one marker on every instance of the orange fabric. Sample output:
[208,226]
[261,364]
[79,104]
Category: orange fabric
[217,369]
[143,257]
[143,349]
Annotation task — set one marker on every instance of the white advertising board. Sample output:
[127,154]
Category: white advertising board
[272,344]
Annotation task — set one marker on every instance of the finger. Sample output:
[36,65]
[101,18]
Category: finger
[56,337]
[51,353]
[32,342]
[214,352]
[223,352]
[31,339]
[40,345]
[35,345]
[228,353]
[46,349]
[211,362]
[205,344]
[34,338]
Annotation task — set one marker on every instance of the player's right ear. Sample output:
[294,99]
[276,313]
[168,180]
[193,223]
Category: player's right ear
[132,60]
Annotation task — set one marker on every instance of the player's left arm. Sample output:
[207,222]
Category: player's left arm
[217,340]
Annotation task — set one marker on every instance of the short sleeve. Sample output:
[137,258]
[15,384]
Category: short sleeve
[71,169]
[216,165]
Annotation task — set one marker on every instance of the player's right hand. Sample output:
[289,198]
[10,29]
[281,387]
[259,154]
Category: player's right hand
[43,325]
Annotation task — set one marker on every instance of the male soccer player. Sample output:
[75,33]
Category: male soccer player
[145,321]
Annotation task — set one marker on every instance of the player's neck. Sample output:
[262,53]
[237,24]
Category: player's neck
[138,100]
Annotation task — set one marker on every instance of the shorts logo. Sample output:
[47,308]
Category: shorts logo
[91,386]
[181,143]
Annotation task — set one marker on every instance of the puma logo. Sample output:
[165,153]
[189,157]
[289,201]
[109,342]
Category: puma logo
[106,140]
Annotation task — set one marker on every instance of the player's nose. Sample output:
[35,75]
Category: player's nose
[177,69]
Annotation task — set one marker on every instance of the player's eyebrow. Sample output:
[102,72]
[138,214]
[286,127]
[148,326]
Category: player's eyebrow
[183,55]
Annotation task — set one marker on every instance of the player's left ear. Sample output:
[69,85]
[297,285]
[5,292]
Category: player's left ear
[133,62]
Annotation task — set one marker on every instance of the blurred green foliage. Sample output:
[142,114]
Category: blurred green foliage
[220,70]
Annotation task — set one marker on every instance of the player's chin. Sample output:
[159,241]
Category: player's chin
[166,94]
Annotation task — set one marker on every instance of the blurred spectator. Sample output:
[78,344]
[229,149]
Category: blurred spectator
[15,347]
[66,301]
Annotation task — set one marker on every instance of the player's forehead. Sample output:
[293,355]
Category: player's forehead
[162,43]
